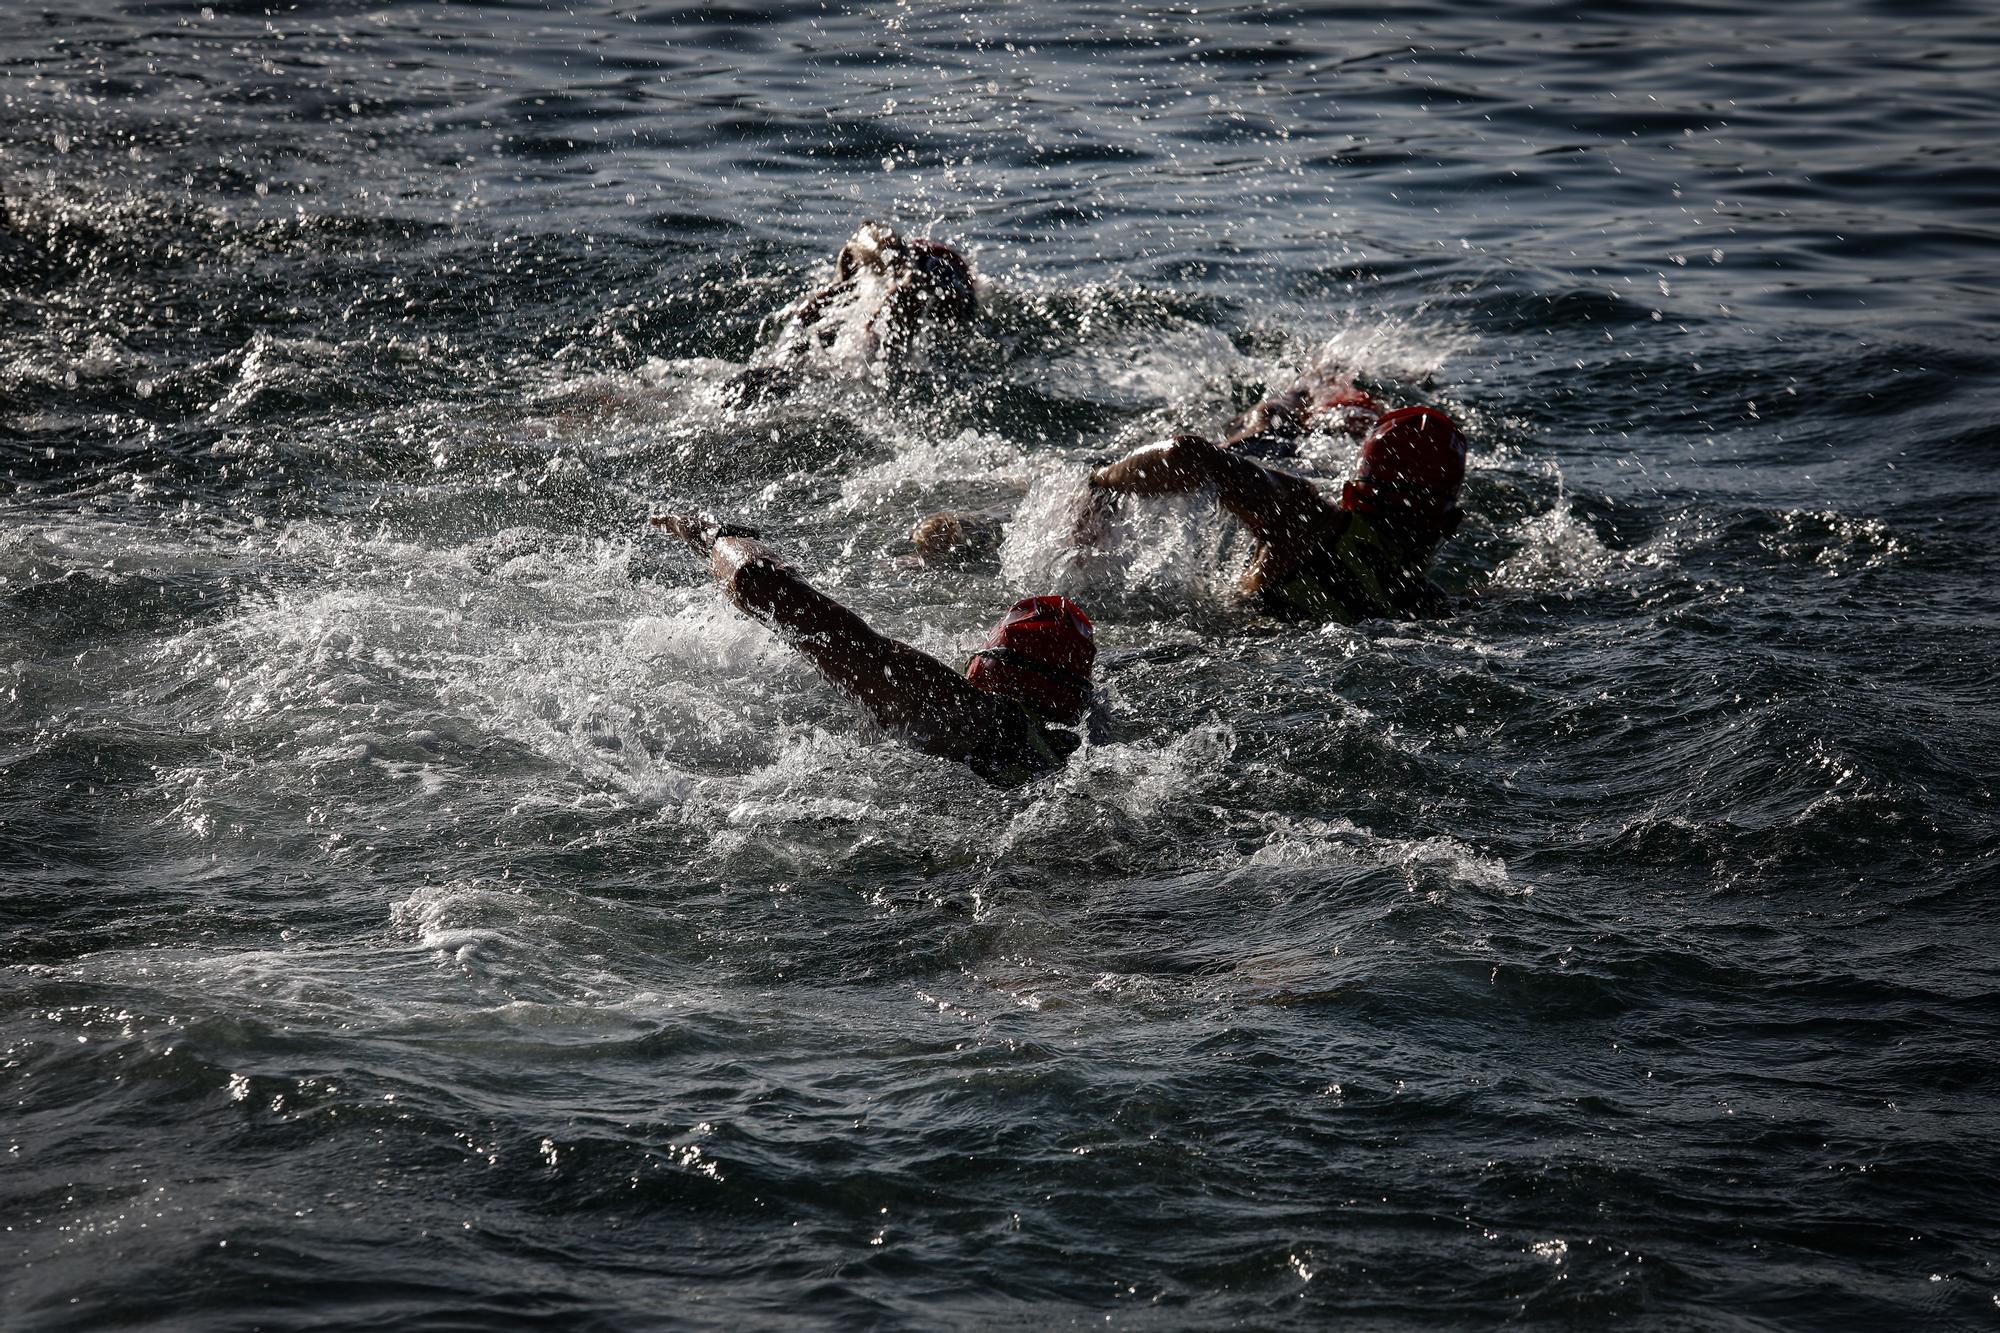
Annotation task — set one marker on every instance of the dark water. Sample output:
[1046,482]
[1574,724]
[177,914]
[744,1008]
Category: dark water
[427,905]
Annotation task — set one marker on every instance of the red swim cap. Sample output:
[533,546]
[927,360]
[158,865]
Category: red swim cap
[1418,452]
[1346,397]
[1343,407]
[1040,656]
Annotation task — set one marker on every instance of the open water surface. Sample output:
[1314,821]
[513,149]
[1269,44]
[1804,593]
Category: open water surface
[425,904]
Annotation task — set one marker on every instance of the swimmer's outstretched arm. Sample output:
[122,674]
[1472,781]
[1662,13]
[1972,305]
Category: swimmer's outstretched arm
[1276,506]
[905,690]
[808,309]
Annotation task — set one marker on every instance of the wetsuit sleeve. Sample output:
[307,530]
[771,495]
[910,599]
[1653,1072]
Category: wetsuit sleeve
[904,690]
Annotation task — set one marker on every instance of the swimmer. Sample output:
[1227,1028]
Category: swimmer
[885,292]
[921,282]
[1008,718]
[1271,429]
[1367,555]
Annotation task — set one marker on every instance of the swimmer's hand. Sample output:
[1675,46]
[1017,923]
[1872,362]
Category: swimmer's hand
[700,532]
[958,536]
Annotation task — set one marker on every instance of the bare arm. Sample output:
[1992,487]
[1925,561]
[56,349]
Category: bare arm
[1277,507]
[905,690]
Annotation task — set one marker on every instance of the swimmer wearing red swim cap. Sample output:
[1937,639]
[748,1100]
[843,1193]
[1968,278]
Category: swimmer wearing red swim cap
[1007,717]
[1367,555]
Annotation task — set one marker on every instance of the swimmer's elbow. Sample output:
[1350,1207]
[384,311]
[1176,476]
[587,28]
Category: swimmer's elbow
[1183,463]
[751,573]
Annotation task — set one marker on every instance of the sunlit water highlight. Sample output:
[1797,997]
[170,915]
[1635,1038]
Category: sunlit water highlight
[427,904]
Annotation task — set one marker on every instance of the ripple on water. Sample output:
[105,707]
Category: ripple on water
[416,871]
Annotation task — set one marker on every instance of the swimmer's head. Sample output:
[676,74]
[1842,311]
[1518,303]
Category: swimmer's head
[1412,466]
[873,248]
[1040,656]
[929,278]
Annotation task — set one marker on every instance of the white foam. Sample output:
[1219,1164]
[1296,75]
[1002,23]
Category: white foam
[1188,365]
[1560,552]
[1409,350]
[1131,783]
[1164,547]
[968,457]
[850,317]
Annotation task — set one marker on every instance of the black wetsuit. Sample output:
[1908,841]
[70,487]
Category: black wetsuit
[1021,749]
[1358,568]
[909,693]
